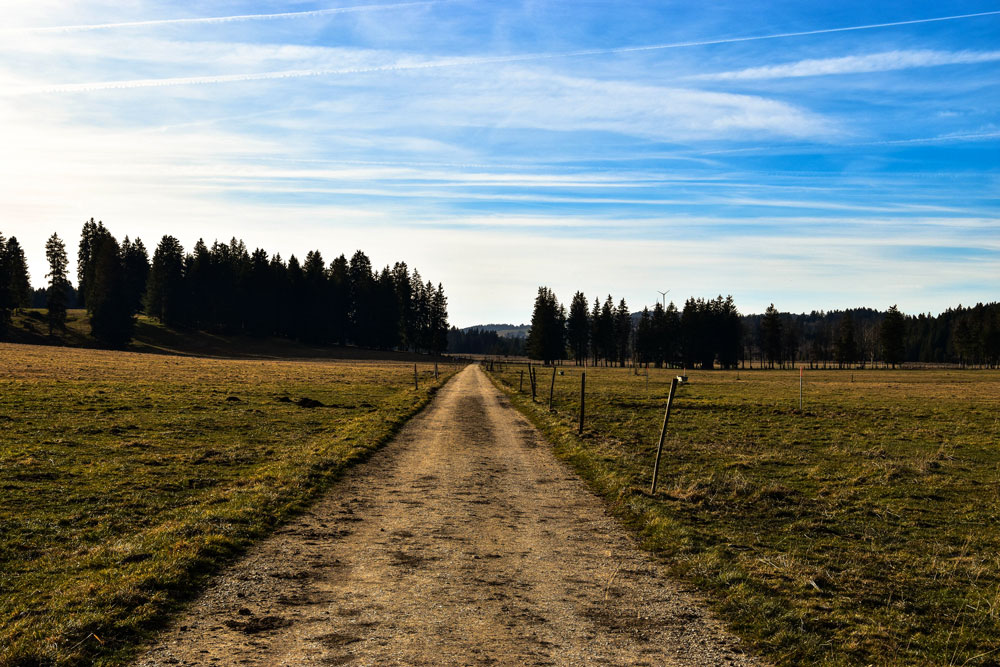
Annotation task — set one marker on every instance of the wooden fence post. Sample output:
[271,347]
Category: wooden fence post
[534,383]
[663,434]
[583,386]
[552,387]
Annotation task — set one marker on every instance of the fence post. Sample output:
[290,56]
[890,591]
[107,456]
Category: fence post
[534,381]
[435,371]
[552,387]
[663,433]
[583,386]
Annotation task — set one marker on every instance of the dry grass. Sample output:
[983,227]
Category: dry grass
[860,530]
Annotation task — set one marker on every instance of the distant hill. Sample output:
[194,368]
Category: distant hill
[29,327]
[509,330]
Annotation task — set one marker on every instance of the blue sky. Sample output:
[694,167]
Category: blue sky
[801,153]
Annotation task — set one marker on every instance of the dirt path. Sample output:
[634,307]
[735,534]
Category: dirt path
[463,542]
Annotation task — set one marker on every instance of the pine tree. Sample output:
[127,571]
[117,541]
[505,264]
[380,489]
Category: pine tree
[547,336]
[92,231]
[771,335]
[891,335]
[59,287]
[165,285]
[17,269]
[622,332]
[135,262]
[439,321]
[578,328]
[111,316]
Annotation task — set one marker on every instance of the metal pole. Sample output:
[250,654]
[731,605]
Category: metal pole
[663,434]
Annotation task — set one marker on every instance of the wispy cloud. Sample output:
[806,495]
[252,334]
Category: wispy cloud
[874,62]
[218,19]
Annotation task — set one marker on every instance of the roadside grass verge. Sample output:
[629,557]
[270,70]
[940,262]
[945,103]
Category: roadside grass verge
[126,479]
[864,529]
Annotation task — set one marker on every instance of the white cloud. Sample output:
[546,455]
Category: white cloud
[874,62]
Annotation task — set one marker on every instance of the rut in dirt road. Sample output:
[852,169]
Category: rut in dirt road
[462,542]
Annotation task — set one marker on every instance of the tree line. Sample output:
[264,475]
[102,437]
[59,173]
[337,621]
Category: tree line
[225,288]
[705,333]
[483,341]
[711,333]
[863,337]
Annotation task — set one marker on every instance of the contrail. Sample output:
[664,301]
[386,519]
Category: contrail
[453,62]
[220,19]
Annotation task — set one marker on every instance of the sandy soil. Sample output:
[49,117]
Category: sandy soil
[462,542]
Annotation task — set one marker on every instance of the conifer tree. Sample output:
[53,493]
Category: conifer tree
[165,286]
[578,328]
[891,337]
[135,263]
[19,283]
[771,335]
[58,291]
[111,316]
[6,300]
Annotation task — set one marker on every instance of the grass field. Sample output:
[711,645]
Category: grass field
[864,529]
[125,479]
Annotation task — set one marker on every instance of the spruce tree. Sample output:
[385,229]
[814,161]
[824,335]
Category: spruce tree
[111,315]
[578,328]
[135,263]
[165,284]
[891,335]
[19,283]
[58,293]
[846,347]
[771,335]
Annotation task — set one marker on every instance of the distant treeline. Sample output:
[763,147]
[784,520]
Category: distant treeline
[867,337]
[484,341]
[711,333]
[227,289]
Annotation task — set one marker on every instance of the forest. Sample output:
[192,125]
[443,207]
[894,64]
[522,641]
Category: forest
[225,288]
[711,333]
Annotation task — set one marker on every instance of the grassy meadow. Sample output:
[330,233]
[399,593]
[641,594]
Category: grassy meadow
[125,479]
[863,529]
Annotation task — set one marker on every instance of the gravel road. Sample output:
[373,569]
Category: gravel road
[462,542]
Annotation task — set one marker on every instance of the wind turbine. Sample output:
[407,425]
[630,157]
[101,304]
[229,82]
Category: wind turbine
[664,295]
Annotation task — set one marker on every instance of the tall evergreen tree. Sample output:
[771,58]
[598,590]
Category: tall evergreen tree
[578,328]
[547,337]
[439,321]
[165,290]
[771,334]
[92,232]
[17,269]
[111,316]
[135,262]
[59,287]
[891,336]
[623,333]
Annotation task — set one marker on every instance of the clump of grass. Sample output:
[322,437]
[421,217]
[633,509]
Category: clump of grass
[861,530]
[126,479]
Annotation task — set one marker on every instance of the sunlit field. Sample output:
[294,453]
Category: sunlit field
[863,528]
[125,479]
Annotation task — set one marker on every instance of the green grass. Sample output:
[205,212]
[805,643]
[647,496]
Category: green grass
[864,529]
[126,479]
